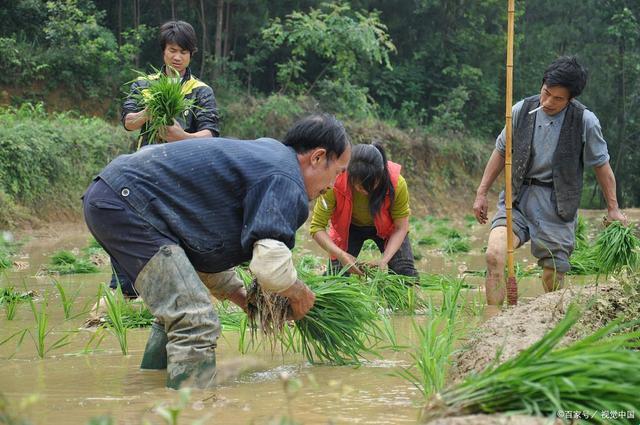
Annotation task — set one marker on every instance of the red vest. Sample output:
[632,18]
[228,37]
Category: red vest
[341,217]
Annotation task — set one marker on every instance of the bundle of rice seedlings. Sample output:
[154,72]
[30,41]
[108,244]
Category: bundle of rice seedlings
[5,263]
[64,262]
[595,375]
[342,325]
[616,248]
[582,237]
[164,100]
[584,261]
[454,245]
[395,292]
[434,281]
[427,241]
[339,329]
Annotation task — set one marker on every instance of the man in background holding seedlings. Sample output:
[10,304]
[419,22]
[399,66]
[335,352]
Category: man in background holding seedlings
[178,42]
[178,217]
[554,136]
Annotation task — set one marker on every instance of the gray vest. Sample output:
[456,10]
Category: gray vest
[567,159]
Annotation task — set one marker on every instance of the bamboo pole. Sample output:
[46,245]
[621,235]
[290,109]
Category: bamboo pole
[512,286]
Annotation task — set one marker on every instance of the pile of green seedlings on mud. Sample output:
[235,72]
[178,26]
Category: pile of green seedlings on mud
[593,376]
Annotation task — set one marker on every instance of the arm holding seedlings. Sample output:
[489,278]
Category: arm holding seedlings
[226,285]
[494,167]
[175,133]
[322,238]
[274,270]
[206,117]
[321,214]
[135,120]
[607,182]
[400,231]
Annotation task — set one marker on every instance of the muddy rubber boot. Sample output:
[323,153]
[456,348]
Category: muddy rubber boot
[155,352]
[197,374]
[174,293]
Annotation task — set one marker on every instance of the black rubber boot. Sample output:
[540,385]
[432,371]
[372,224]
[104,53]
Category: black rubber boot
[155,353]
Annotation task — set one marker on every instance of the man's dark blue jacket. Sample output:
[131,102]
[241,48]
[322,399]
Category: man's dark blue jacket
[215,196]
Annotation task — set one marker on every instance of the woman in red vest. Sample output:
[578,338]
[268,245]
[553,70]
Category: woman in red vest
[368,201]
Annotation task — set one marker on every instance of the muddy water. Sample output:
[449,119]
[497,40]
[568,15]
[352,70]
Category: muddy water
[79,381]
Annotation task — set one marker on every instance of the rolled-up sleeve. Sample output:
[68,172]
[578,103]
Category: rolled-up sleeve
[595,147]
[130,103]
[274,209]
[272,265]
[207,111]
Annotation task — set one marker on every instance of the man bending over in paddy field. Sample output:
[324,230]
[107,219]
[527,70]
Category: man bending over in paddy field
[177,217]
[554,137]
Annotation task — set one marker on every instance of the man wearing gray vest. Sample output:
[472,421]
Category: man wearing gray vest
[554,136]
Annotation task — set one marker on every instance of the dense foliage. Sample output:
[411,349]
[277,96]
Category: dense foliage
[431,64]
[48,161]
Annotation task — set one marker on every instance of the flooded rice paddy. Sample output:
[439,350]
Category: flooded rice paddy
[86,378]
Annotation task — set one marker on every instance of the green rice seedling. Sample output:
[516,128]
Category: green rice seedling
[308,263]
[67,300]
[582,236]
[446,231]
[93,248]
[616,248]
[5,262]
[596,374]
[427,241]
[230,319]
[164,101]
[115,307]
[434,281]
[133,314]
[455,245]
[390,335]
[341,326]
[42,331]
[394,292]
[584,262]
[11,299]
[94,341]
[64,262]
[339,329]
[436,343]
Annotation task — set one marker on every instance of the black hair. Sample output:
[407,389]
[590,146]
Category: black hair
[566,72]
[318,131]
[180,33]
[368,168]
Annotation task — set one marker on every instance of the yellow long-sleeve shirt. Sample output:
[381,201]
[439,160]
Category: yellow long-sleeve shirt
[360,215]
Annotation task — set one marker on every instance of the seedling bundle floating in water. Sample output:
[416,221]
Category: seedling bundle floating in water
[164,100]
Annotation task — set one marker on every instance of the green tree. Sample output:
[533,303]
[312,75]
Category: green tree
[343,41]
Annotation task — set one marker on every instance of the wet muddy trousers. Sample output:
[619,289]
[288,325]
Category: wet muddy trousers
[176,296]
